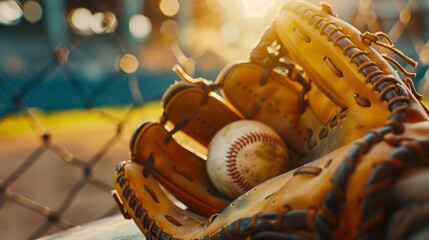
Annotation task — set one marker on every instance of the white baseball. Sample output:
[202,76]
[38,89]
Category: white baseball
[243,154]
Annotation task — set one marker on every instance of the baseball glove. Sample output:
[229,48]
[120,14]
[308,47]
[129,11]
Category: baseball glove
[353,126]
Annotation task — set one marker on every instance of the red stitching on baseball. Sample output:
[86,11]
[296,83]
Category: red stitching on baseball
[237,146]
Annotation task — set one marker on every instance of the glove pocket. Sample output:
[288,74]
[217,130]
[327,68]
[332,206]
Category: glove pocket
[182,172]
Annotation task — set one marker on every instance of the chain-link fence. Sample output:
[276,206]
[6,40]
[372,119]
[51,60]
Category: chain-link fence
[56,168]
[67,111]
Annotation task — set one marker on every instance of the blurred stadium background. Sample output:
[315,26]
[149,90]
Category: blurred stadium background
[78,77]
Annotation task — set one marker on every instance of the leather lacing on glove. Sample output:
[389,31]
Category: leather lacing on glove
[324,218]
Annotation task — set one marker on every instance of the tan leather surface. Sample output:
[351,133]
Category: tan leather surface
[180,171]
[205,112]
[275,103]
[329,140]
[291,190]
[311,55]
[150,196]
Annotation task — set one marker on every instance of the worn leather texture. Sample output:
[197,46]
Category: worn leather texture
[348,112]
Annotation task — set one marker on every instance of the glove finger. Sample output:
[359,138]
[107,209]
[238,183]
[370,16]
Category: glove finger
[197,111]
[182,172]
[350,72]
[149,206]
[336,74]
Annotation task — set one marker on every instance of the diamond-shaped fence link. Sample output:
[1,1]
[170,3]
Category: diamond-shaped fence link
[57,166]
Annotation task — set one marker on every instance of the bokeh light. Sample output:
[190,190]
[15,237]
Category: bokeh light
[10,12]
[96,24]
[84,21]
[103,22]
[140,26]
[405,16]
[128,63]
[224,3]
[80,20]
[214,5]
[424,55]
[230,32]
[169,7]
[110,22]
[256,8]
[32,11]
[169,28]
